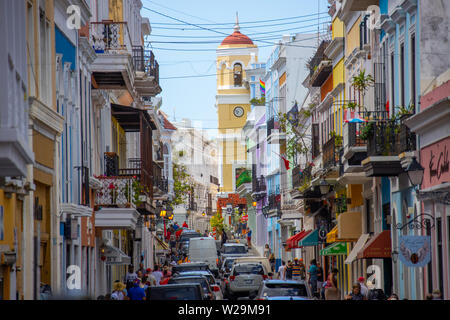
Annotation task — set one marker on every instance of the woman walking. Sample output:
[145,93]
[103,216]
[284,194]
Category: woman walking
[331,288]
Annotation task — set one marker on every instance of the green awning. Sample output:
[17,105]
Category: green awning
[312,239]
[336,249]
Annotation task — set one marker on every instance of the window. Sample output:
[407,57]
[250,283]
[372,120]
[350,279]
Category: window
[439,252]
[413,70]
[392,81]
[402,74]
[237,71]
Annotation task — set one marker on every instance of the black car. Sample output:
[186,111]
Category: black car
[208,292]
[190,266]
[186,291]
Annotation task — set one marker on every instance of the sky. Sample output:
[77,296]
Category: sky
[187,69]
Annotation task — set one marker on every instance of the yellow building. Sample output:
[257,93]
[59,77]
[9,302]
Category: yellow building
[235,55]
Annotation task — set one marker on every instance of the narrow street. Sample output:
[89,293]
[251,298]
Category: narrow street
[139,139]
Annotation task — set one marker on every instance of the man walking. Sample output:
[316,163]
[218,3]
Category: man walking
[289,270]
[296,270]
[249,237]
[282,271]
[313,276]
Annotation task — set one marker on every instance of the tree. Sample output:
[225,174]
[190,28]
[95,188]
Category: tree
[361,83]
[217,222]
[181,184]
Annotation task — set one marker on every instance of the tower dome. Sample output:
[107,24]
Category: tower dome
[237,37]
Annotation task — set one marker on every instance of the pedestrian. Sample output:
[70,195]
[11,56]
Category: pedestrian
[302,269]
[136,292]
[267,251]
[176,226]
[157,274]
[272,261]
[296,270]
[364,289]
[118,291]
[130,277]
[331,288]
[173,241]
[224,237]
[166,277]
[429,297]
[356,293]
[205,234]
[185,225]
[282,271]
[151,278]
[313,276]
[319,277]
[376,294]
[108,296]
[249,237]
[289,270]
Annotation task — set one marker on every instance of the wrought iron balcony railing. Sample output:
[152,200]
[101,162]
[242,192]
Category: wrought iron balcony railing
[274,201]
[301,177]
[330,156]
[115,192]
[144,61]
[259,185]
[389,138]
[159,181]
[110,37]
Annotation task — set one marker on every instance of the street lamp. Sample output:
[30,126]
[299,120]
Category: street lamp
[254,203]
[415,172]
[324,187]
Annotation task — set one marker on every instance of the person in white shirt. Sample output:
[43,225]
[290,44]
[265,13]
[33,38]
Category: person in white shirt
[282,271]
[131,275]
[364,289]
[157,274]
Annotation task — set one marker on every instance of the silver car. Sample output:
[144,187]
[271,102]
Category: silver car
[245,278]
[283,290]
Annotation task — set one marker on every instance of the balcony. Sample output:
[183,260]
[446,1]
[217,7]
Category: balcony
[259,189]
[244,183]
[160,184]
[320,67]
[116,192]
[113,67]
[386,140]
[301,179]
[147,72]
[330,156]
[355,148]
[274,203]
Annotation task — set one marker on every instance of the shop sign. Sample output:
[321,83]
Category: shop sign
[415,251]
[435,160]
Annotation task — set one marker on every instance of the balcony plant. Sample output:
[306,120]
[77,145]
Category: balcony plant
[367,131]
[258,102]
[338,140]
[351,105]
[362,83]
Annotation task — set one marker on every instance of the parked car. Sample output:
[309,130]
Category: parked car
[283,290]
[263,260]
[204,250]
[215,286]
[187,291]
[191,266]
[207,290]
[245,278]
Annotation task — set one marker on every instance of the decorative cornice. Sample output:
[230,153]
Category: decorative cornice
[430,117]
[87,50]
[48,117]
[398,15]
[76,210]
[334,48]
[409,6]
[387,24]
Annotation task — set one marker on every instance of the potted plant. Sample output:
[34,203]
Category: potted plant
[367,131]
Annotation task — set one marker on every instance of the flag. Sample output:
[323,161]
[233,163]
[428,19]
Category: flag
[292,115]
[262,86]
[286,162]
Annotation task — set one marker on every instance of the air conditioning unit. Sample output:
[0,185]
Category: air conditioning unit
[107,236]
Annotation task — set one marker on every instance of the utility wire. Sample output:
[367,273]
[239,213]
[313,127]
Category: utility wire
[244,22]
[212,30]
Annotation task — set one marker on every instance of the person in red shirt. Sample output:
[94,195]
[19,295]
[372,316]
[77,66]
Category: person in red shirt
[185,225]
[166,277]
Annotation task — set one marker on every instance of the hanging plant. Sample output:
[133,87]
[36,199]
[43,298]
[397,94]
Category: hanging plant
[367,131]
[351,105]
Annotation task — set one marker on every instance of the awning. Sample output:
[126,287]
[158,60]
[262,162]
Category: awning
[332,235]
[115,256]
[312,239]
[336,249]
[292,242]
[378,247]
[359,244]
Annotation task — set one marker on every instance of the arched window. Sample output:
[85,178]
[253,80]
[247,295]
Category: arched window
[237,72]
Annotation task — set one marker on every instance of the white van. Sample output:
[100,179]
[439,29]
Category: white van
[204,250]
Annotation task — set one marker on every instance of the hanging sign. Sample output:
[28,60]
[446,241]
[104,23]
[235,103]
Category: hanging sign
[415,251]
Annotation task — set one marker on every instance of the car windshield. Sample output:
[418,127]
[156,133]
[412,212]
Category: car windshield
[208,276]
[187,236]
[284,289]
[234,250]
[179,293]
[190,268]
[248,269]
[203,282]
